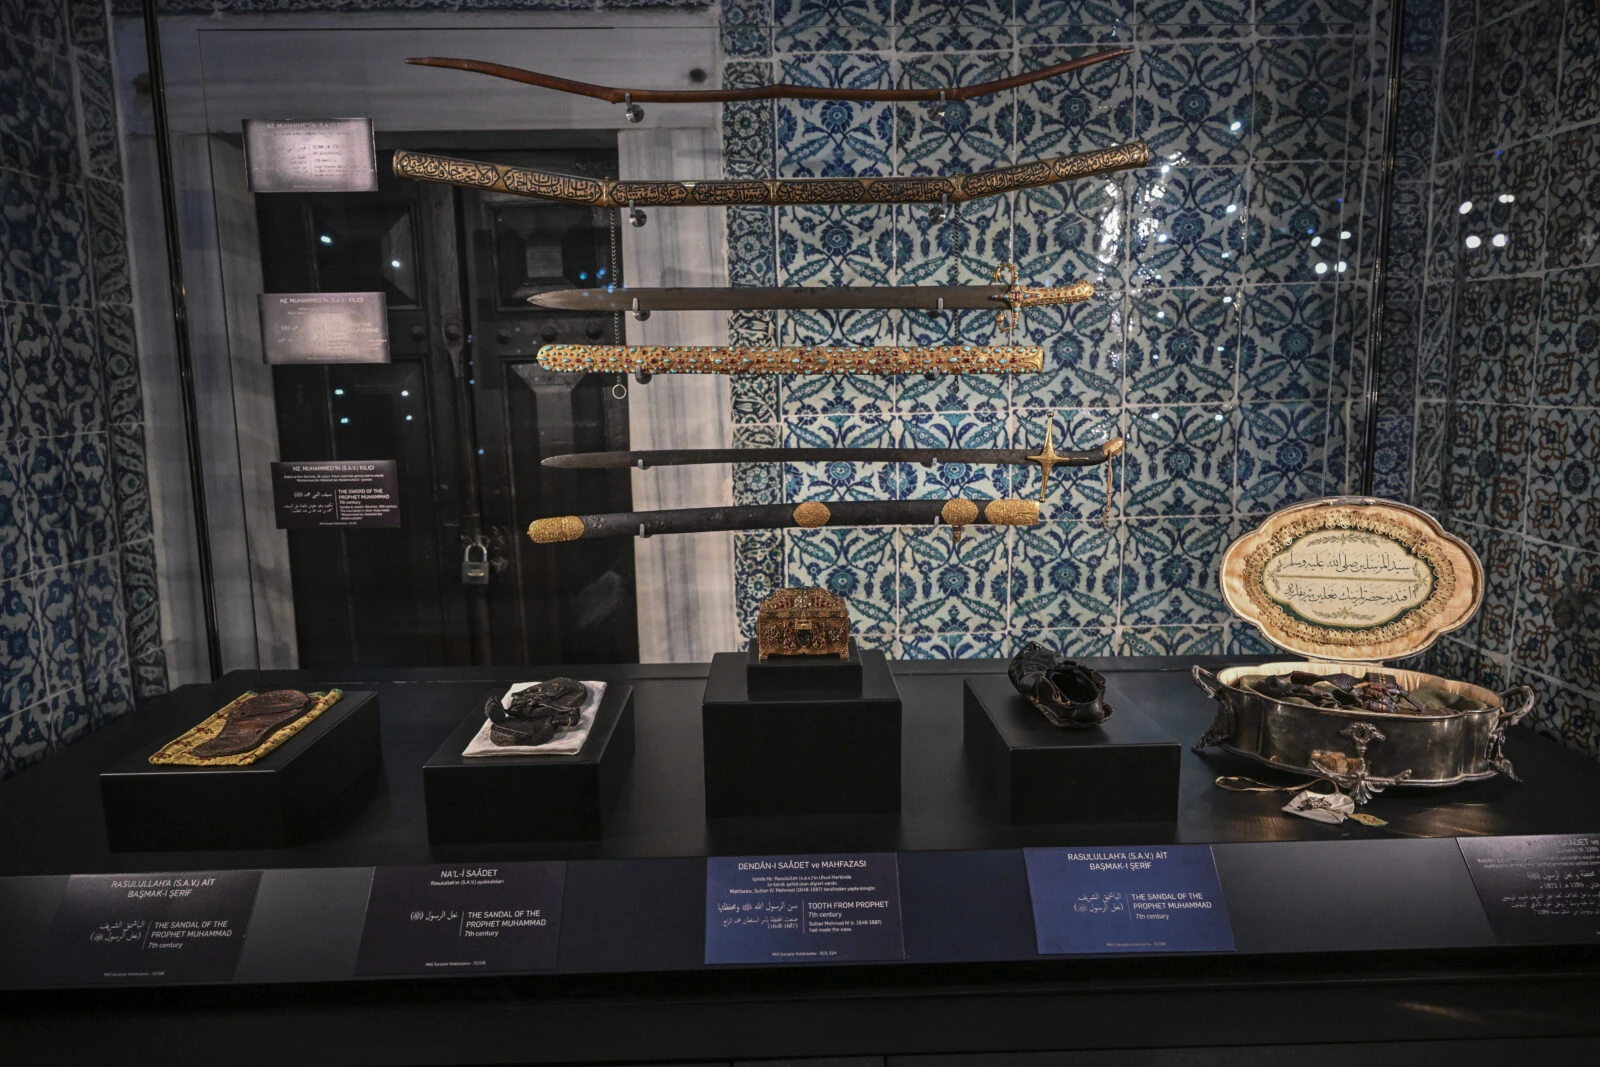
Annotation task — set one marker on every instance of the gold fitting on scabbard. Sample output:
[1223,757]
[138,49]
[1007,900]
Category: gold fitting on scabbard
[811,514]
[1012,512]
[1114,446]
[556,528]
[959,512]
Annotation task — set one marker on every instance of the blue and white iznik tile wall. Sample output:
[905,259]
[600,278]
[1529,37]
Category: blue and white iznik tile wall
[1500,162]
[1230,306]
[79,627]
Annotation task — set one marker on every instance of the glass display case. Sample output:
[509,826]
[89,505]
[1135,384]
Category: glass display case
[682,509]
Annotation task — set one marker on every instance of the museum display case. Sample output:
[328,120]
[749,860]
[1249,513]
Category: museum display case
[791,530]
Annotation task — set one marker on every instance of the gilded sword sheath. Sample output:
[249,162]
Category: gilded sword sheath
[614,193]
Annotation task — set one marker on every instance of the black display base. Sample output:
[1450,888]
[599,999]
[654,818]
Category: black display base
[1124,770]
[802,754]
[789,677]
[272,803]
[529,798]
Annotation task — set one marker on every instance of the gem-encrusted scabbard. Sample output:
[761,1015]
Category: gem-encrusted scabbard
[641,192]
[792,359]
[957,512]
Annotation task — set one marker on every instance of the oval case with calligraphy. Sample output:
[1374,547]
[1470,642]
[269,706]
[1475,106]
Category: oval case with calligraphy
[1350,582]
[1352,579]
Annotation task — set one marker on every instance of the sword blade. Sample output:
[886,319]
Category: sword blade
[777,298]
[691,456]
[927,457]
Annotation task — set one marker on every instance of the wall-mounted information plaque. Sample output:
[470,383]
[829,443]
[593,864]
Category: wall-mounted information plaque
[463,918]
[803,909]
[324,328]
[336,494]
[162,928]
[310,156]
[1537,890]
[1147,898]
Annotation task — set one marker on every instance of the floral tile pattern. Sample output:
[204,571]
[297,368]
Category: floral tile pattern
[1179,461]
[1170,569]
[1564,458]
[1286,343]
[79,629]
[1278,461]
[1506,357]
[1568,368]
[1194,101]
[1227,339]
[1296,214]
[1188,225]
[1183,347]
[1065,575]
[1572,200]
[1303,98]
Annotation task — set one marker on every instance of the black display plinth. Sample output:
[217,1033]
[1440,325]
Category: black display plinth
[529,798]
[800,754]
[272,803]
[1124,770]
[789,677]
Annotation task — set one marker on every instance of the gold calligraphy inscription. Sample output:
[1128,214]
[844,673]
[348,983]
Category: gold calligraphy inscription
[1351,578]
[1343,578]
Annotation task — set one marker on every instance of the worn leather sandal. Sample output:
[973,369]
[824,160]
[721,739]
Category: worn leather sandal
[1068,694]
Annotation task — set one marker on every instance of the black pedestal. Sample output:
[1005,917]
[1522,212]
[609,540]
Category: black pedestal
[1124,770]
[272,803]
[801,755]
[529,798]
[789,677]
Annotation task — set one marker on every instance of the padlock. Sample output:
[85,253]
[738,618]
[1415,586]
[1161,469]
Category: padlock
[475,564]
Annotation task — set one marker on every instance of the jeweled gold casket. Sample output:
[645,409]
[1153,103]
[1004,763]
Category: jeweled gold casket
[803,622]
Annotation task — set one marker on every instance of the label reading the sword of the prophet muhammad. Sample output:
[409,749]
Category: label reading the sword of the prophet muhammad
[1348,578]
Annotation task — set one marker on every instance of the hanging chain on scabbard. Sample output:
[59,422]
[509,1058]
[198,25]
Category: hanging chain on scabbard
[620,389]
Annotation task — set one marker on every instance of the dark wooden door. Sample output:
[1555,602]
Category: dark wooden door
[570,602]
[378,597]
[467,413]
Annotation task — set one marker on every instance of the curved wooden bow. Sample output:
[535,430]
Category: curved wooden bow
[782,90]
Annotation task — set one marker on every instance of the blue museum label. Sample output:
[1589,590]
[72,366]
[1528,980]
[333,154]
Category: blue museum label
[842,908]
[1159,898]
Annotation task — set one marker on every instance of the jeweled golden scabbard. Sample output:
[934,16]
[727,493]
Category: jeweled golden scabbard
[792,359]
[611,192]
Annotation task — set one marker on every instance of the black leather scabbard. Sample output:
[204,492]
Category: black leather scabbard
[955,512]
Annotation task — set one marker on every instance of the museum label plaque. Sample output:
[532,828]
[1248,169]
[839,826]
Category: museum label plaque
[803,909]
[463,918]
[324,327]
[1147,898]
[310,156]
[183,927]
[1537,890]
[337,494]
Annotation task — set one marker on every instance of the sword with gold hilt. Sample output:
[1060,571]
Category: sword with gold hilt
[1047,457]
